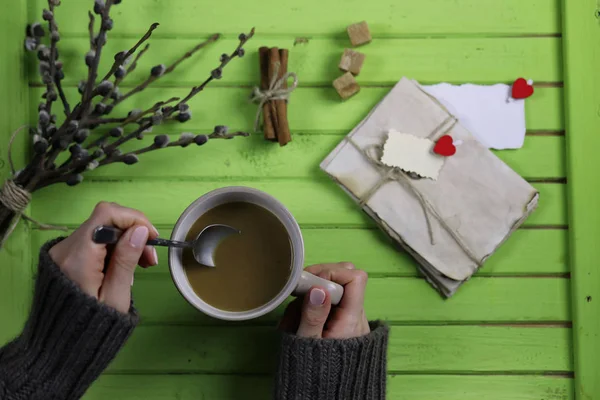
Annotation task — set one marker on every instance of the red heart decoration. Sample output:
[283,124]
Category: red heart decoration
[521,89]
[445,146]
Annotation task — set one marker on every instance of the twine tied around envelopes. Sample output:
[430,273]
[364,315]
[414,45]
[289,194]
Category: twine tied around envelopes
[275,91]
[387,173]
[16,199]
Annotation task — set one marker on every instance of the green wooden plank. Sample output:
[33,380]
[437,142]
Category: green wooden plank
[325,17]
[313,202]
[465,60]
[311,110]
[527,247]
[15,262]
[582,60]
[541,157]
[479,348]
[531,252]
[402,300]
[428,387]
[527,252]
[180,387]
[413,387]
[431,349]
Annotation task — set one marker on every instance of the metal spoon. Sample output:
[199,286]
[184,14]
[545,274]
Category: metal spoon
[203,247]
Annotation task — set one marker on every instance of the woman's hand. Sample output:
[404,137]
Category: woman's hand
[102,272]
[314,317]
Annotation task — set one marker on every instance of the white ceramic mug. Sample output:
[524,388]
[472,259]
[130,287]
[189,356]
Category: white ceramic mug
[299,282]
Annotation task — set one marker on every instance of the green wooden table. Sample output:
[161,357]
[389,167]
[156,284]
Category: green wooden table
[526,327]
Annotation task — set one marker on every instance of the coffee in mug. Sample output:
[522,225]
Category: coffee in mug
[250,268]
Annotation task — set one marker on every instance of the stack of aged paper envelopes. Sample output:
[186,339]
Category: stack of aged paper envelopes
[453,216]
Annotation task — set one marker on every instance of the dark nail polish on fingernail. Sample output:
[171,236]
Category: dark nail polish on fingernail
[317,297]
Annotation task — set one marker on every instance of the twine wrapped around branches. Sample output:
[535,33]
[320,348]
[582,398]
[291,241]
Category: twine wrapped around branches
[16,199]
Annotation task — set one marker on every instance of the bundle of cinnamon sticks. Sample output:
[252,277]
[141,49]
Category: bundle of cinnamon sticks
[275,125]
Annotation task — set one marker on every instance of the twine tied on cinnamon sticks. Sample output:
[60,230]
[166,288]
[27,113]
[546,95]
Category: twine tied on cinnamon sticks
[273,94]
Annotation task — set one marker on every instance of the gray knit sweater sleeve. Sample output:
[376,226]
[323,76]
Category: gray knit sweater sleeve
[68,340]
[328,369]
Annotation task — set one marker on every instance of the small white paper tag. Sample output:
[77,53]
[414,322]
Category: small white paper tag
[412,154]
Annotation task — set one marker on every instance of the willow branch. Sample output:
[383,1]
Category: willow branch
[71,131]
[121,157]
[78,165]
[156,107]
[215,74]
[91,31]
[63,97]
[98,44]
[54,38]
[129,70]
[52,60]
[121,58]
[104,121]
[109,149]
[224,63]
[48,182]
[184,141]
[74,165]
[220,135]
[134,118]
[132,67]
[151,79]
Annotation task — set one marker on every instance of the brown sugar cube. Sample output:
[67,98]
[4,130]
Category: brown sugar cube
[359,34]
[352,61]
[346,86]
